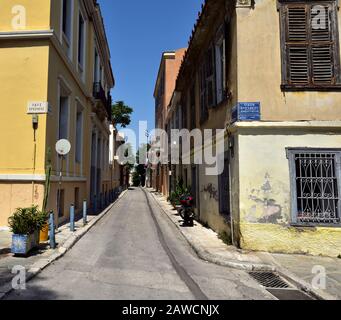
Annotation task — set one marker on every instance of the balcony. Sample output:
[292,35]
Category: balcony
[99,94]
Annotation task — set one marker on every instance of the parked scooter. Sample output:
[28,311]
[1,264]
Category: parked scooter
[187,211]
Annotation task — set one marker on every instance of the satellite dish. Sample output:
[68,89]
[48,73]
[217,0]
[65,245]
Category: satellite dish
[63,147]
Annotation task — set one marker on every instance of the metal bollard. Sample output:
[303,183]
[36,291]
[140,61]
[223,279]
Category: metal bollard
[52,235]
[72,218]
[85,218]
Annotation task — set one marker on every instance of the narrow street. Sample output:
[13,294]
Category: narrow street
[135,252]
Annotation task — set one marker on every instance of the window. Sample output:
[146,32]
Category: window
[97,68]
[207,84]
[220,65]
[67,19]
[184,114]
[315,186]
[210,75]
[63,117]
[79,135]
[177,117]
[81,41]
[192,107]
[310,48]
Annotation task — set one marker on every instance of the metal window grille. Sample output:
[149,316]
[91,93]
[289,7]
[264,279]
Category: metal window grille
[317,187]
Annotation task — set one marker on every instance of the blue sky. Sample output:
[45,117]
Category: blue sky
[138,32]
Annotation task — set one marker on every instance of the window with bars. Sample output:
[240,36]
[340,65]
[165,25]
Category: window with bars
[310,47]
[315,186]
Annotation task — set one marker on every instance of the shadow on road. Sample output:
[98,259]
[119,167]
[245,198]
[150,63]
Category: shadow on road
[34,291]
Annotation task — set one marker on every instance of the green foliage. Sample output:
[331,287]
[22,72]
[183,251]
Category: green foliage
[180,191]
[136,179]
[121,114]
[25,221]
[48,171]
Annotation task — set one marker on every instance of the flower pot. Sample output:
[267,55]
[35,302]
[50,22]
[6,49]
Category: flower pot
[23,244]
[44,233]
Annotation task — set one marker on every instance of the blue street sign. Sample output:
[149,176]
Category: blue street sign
[246,111]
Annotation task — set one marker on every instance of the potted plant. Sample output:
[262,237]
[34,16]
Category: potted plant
[25,225]
[174,199]
[180,191]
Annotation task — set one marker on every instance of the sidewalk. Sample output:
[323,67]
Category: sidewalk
[5,241]
[43,256]
[296,268]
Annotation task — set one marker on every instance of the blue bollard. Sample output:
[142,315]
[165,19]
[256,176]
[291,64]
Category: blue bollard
[72,218]
[85,218]
[52,235]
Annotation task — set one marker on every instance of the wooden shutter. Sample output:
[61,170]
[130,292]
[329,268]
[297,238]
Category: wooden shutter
[322,47]
[311,47]
[297,44]
[210,77]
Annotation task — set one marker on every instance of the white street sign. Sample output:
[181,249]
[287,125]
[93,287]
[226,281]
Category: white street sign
[37,107]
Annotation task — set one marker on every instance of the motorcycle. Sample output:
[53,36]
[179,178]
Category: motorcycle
[187,211]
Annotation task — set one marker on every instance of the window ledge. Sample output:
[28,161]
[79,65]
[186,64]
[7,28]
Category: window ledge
[311,225]
[289,87]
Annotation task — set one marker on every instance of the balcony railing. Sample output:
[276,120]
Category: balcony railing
[99,94]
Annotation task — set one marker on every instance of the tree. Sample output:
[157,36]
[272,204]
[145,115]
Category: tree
[121,114]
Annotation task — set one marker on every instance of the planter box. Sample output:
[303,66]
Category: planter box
[23,244]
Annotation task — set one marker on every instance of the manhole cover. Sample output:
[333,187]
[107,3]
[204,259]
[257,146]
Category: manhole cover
[270,280]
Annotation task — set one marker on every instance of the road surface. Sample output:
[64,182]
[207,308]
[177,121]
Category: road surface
[136,253]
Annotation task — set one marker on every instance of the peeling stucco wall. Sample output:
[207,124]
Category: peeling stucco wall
[265,200]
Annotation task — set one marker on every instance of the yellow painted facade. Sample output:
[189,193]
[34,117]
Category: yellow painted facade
[39,62]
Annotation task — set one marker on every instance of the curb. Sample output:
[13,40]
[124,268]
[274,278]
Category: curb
[43,263]
[208,257]
[303,285]
[246,266]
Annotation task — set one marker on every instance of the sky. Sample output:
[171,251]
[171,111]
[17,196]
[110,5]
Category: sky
[138,33]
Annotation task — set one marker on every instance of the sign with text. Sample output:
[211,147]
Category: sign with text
[37,107]
[246,111]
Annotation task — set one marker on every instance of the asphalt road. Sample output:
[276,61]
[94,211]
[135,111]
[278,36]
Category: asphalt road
[136,253]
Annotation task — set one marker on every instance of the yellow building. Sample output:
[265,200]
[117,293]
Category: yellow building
[54,53]
[269,73]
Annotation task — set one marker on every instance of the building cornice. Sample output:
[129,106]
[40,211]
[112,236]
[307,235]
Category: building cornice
[325,126]
[32,34]
[38,178]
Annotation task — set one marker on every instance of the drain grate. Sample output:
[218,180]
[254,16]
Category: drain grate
[270,280]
